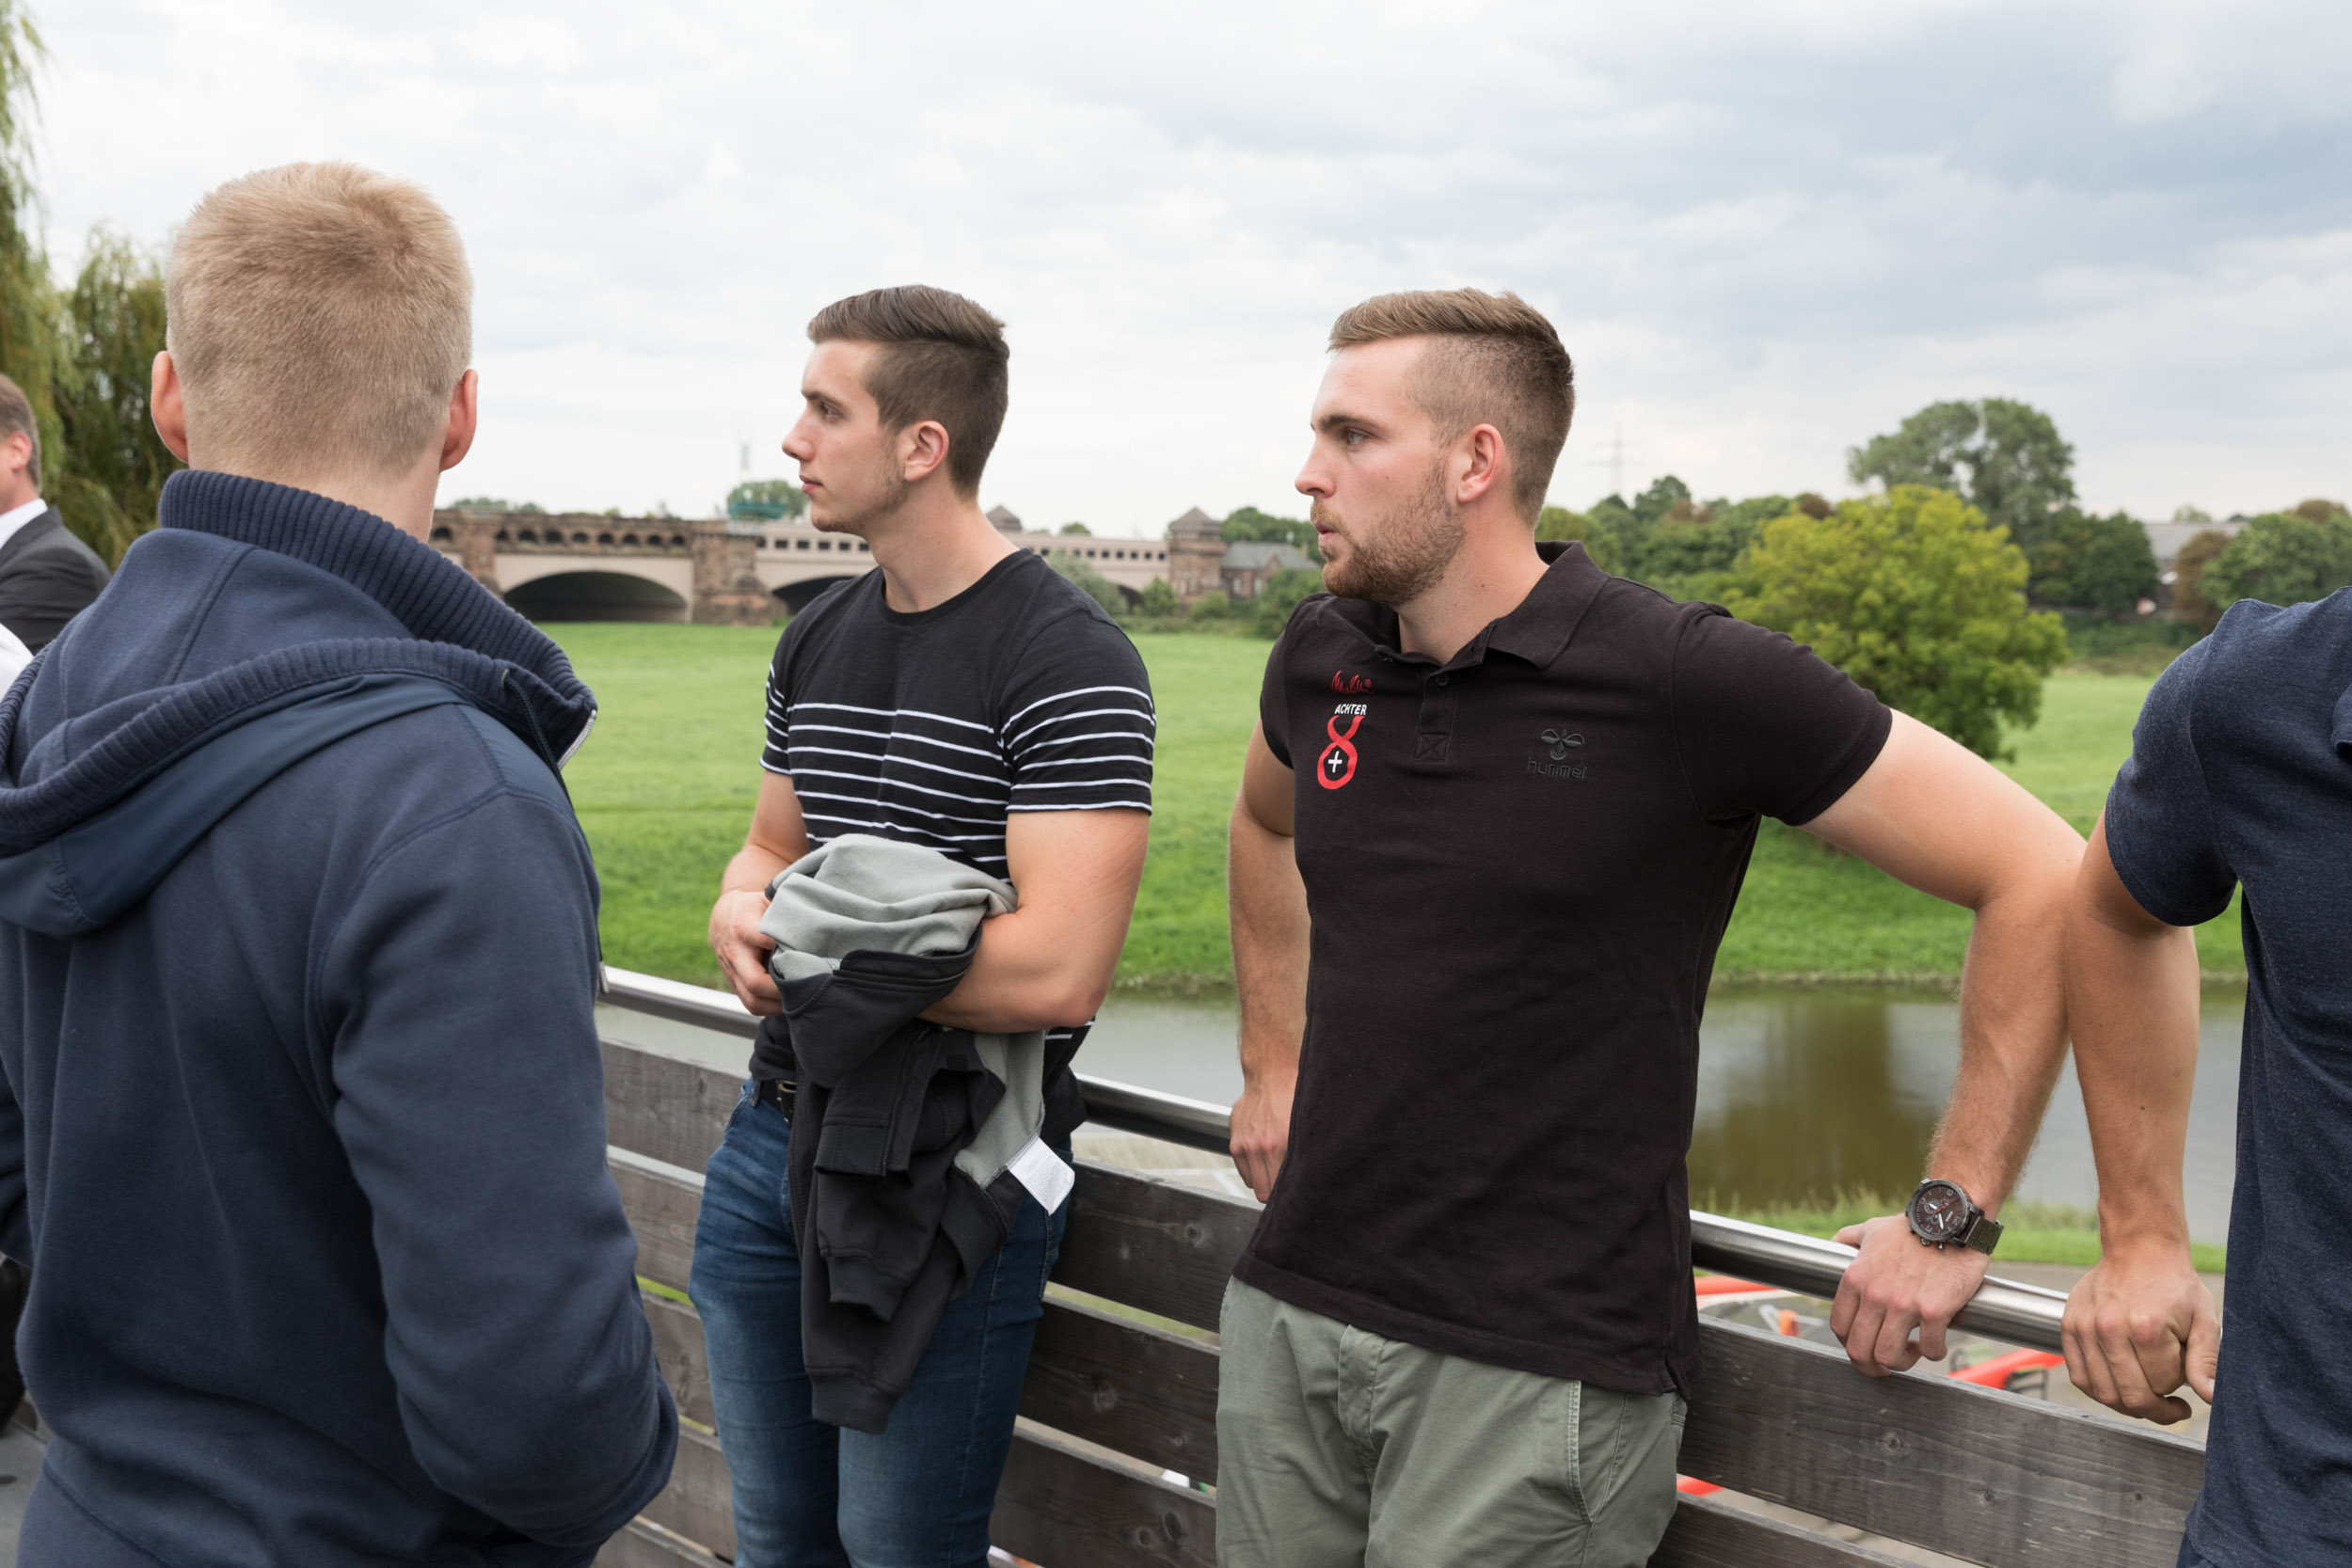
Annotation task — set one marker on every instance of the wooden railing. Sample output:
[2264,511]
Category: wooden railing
[1113,1400]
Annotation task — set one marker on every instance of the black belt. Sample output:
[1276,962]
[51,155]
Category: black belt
[777,1092]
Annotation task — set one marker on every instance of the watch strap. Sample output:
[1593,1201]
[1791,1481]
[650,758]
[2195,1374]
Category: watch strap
[1983,1232]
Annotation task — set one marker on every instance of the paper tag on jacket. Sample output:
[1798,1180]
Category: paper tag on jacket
[1039,1169]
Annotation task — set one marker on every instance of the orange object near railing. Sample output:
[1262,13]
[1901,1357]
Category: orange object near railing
[1691,1486]
[1724,1285]
[1996,1372]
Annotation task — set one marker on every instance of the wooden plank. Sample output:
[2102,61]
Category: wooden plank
[1706,1532]
[666,1108]
[1142,1391]
[677,1345]
[643,1543]
[1062,1506]
[1157,1245]
[697,1504]
[661,1205]
[1977,1473]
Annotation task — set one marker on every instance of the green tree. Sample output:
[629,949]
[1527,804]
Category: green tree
[1918,598]
[1601,541]
[1248,525]
[2188,578]
[1690,552]
[1077,527]
[769,499]
[110,466]
[1271,610]
[30,342]
[2088,562]
[1212,605]
[494,504]
[1664,494]
[2004,457]
[1082,574]
[2281,558]
[1160,601]
[1610,533]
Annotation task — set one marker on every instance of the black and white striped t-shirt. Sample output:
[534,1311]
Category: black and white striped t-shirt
[931,726]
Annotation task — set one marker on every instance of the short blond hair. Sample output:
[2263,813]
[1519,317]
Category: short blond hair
[319,315]
[1497,362]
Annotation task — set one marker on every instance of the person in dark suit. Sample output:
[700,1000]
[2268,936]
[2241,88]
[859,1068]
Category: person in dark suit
[47,575]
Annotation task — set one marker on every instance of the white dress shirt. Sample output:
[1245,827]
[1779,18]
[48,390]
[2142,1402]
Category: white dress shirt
[16,517]
[14,655]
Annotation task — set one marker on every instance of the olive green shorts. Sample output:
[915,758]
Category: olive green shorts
[1338,1447]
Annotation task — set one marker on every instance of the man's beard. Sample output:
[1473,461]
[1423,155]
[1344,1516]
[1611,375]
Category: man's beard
[1403,557]
[894,492]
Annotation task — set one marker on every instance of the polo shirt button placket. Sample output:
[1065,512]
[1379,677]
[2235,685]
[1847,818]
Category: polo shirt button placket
[1432,740]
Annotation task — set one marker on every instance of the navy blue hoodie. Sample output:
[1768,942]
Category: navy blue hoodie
[304,1132]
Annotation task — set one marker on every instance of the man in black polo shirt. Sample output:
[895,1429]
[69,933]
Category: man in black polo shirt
[1503,802]
[965,697]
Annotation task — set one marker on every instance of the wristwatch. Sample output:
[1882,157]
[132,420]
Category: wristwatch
[1942,1215]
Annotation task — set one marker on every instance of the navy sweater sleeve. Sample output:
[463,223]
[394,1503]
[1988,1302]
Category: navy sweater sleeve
[458,995]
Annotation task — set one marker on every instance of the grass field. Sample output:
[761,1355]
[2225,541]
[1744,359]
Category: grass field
[2031,1233]
[664,788]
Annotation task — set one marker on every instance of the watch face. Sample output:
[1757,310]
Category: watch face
[1938,1210]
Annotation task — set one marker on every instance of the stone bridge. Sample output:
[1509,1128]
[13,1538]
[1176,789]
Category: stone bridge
[577,566]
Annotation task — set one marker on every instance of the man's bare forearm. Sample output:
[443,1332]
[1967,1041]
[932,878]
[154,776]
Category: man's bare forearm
[2013,1041]
[2131,993]
[1270,939]
[751,869]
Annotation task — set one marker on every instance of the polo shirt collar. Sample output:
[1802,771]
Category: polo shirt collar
[1535,630]
[1543,622]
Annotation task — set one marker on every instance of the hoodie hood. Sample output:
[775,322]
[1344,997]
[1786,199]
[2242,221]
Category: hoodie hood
[96,806]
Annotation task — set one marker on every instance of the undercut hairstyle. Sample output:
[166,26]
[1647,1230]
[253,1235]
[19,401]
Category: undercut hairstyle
[1496,360]
[319,315]
[938,357]
[16,418]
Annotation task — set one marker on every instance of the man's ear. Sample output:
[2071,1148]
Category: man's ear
[163,405]
[1481,465]
[465,414]
[922,450]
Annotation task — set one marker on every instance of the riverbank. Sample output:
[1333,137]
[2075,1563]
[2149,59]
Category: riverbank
[2035,1234]
[664,788]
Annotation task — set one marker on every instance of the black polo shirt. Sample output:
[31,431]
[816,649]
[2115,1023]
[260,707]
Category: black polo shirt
[1518,867]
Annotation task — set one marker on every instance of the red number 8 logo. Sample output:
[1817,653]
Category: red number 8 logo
[1338,763]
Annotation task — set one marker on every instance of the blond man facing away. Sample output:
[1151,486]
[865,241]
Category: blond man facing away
[1491,826]
[303,1126]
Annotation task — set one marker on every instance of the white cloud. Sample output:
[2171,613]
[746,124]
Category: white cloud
[1765,230]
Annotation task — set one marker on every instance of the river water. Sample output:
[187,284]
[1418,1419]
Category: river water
[1801,1091]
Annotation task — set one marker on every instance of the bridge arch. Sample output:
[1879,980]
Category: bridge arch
[796,597]
[596,596]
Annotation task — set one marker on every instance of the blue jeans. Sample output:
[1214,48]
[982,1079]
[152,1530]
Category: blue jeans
[810,1494]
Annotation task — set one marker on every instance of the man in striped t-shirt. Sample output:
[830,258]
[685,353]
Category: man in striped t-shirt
[965,697]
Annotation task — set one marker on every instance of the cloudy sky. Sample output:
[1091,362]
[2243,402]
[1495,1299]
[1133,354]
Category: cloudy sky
[1767,229]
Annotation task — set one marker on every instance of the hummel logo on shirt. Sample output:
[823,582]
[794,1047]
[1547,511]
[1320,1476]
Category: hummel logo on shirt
[1559,742]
